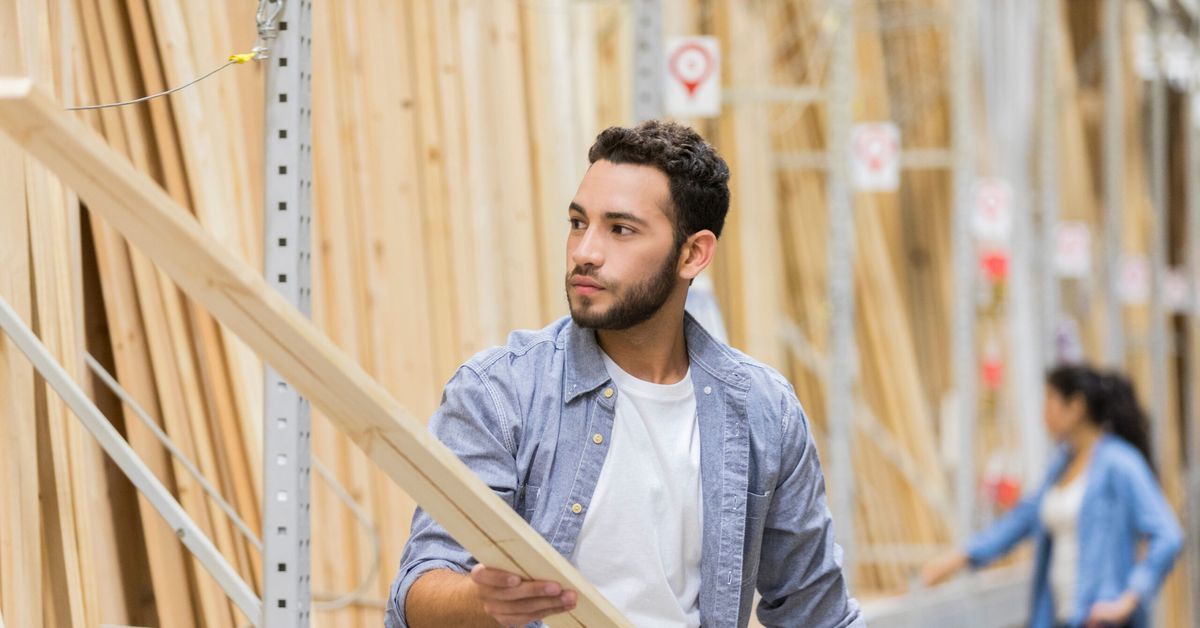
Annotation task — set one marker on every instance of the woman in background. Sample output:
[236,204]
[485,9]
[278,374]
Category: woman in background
[1098,500]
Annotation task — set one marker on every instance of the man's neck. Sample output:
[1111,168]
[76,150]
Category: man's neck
[654,350]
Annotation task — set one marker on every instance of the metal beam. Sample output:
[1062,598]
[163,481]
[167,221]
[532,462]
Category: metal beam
[648,60]
[1048,190]
[1159,236]
[910,159]
[1192,378]
[843,371]
[1114,180]
[287,211]
[963,332]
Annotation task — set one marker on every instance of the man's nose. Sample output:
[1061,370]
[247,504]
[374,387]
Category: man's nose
[589,251]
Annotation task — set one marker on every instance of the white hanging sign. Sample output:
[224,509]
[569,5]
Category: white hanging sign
[693,77]
[1176,296]
[1073,250]
[876,150]
[1133,280]
[993,210]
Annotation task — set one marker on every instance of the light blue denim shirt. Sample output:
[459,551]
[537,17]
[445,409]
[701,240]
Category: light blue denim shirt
[1122,505]
[523,418]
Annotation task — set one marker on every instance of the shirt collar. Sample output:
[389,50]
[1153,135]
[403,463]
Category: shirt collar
[585,362]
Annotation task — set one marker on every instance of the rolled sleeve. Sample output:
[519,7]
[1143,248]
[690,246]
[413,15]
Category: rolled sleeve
[470,423]
[408,576]
[800,573]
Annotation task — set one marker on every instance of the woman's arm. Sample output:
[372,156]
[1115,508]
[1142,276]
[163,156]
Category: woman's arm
[1154,520]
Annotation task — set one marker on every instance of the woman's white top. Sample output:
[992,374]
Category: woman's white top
[1060,516]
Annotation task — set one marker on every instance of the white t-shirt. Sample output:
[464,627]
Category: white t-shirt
[1060,515]
[641,537]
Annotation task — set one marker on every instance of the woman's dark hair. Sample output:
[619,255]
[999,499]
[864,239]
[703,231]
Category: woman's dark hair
[698,177]
[1110,400]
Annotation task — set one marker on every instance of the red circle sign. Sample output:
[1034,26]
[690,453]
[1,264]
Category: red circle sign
[691,64]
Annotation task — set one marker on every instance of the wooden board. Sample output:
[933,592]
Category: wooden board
[20,528]
[237,296]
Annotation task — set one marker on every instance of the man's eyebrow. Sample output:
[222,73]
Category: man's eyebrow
[626,216]
[611,216]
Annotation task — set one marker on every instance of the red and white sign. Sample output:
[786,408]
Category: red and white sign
[1073,250]
[693,77]
[1133,280]
[993,210]
[876,150]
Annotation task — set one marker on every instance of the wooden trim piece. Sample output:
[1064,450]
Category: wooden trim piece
[238,297]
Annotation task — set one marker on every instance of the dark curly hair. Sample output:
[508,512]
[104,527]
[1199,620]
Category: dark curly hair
[698,176]
[1111,402]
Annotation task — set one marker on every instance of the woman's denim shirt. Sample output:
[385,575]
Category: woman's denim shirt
[1122,505]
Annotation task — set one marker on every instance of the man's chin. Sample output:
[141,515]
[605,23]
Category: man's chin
[586,318]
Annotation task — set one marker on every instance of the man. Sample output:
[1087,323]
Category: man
[676,473]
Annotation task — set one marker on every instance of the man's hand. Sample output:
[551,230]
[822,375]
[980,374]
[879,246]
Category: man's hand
[1112,613]
[516,602]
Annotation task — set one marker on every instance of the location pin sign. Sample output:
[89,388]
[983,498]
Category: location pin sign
[691,65]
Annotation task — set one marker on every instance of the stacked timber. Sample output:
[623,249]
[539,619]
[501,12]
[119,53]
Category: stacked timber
[448,137]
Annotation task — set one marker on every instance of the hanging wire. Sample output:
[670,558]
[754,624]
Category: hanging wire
[233,59]
[267,17]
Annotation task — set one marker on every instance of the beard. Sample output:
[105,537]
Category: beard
[631,304]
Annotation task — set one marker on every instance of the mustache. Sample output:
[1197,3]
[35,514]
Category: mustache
[587,271]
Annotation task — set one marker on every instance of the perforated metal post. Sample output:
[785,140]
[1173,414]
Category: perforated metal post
[963,333]
[1159,318]
[1191,389]
[648,60]
[1114,178]
[1048,190]
[1159,237]
[286,433]
[843,362]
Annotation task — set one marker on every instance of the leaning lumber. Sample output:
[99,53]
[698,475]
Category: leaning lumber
[237,296]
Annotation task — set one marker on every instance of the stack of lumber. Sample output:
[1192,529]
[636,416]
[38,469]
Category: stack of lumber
[897,496]
[1082,133]
[448,137]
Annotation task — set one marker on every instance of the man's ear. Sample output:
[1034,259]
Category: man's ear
[697,253]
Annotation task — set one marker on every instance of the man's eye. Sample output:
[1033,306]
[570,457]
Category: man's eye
[576,223]
[622,230]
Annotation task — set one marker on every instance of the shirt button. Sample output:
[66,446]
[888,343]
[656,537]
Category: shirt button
[577,508]
[708,390]
[597,438]
[608,392]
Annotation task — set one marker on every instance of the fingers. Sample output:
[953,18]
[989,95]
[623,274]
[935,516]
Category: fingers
[495,584]
[513,601]
[521,612]
[494,577]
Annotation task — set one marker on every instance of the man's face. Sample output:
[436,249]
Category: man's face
[621,254]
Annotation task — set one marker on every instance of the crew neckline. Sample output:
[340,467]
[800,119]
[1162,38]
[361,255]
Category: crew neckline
[630,383]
